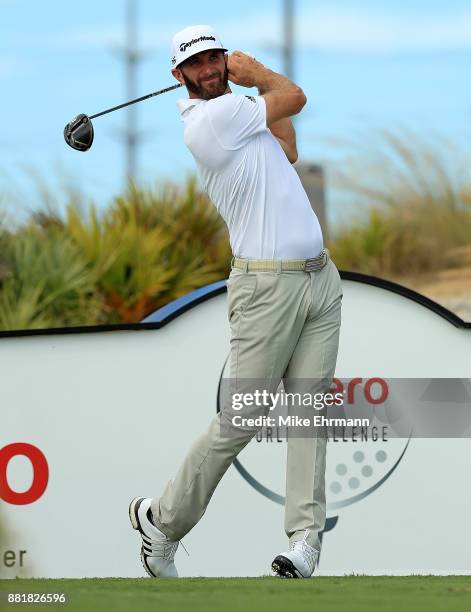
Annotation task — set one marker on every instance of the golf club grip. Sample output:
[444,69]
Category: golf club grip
[151,95]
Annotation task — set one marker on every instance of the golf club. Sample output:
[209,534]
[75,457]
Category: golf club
[78,133]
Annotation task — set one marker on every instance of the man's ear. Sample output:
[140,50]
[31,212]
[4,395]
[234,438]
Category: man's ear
[178,75]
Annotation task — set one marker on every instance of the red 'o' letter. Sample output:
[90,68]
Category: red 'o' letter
[40,474]
[384,391]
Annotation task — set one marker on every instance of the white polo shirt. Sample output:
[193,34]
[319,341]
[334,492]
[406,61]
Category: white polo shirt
[249,179]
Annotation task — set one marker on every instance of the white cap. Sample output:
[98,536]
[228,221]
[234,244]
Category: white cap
[193,40]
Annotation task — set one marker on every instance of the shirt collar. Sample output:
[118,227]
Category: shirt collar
[187,103]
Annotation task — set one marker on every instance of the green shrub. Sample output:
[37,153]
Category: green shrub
[415,208]
[146,249]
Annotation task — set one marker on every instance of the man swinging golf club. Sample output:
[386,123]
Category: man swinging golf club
[284,293]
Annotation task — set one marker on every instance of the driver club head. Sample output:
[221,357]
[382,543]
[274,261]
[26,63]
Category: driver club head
[78,133]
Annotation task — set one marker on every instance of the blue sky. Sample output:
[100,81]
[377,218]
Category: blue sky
[364,65]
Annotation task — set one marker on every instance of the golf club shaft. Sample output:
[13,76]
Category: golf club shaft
[151,95]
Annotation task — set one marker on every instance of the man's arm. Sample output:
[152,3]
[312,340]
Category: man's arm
[283,98]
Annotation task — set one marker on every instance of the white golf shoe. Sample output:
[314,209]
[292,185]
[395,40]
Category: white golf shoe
[158,551]
[298,562]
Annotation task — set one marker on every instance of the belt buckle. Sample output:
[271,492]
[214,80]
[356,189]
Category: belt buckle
[315,263]
[310,265]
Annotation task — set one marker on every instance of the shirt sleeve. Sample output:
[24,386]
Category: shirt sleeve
[235,119]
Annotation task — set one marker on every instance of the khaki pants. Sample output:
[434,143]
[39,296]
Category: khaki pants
[283,324]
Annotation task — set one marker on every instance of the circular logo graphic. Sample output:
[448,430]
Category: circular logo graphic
[356,466]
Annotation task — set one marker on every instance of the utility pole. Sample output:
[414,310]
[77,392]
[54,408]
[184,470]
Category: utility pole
[311,175]
[288,38]
[131,57]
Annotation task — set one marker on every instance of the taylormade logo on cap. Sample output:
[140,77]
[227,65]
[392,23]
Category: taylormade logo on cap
[184,46]
[193,40]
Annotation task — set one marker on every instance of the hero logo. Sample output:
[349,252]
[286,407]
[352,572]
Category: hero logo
[40,473]
[184,46]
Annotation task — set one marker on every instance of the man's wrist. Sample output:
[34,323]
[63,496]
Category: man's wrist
[267,80]
[262,79]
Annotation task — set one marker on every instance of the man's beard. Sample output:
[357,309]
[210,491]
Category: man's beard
[211,90]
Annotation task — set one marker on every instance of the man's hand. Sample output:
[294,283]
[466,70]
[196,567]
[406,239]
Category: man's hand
[243,69]
[282,97]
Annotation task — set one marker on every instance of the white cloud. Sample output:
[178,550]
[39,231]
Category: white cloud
[7,68]
[326,28]
[336,29]
[342,29]
[98,36]
[114,35]
[15,67]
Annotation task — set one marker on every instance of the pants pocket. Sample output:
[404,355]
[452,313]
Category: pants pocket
[241,287]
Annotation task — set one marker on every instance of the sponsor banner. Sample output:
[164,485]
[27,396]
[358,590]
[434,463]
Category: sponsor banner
[90,421]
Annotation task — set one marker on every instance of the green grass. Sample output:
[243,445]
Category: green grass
[352,593]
